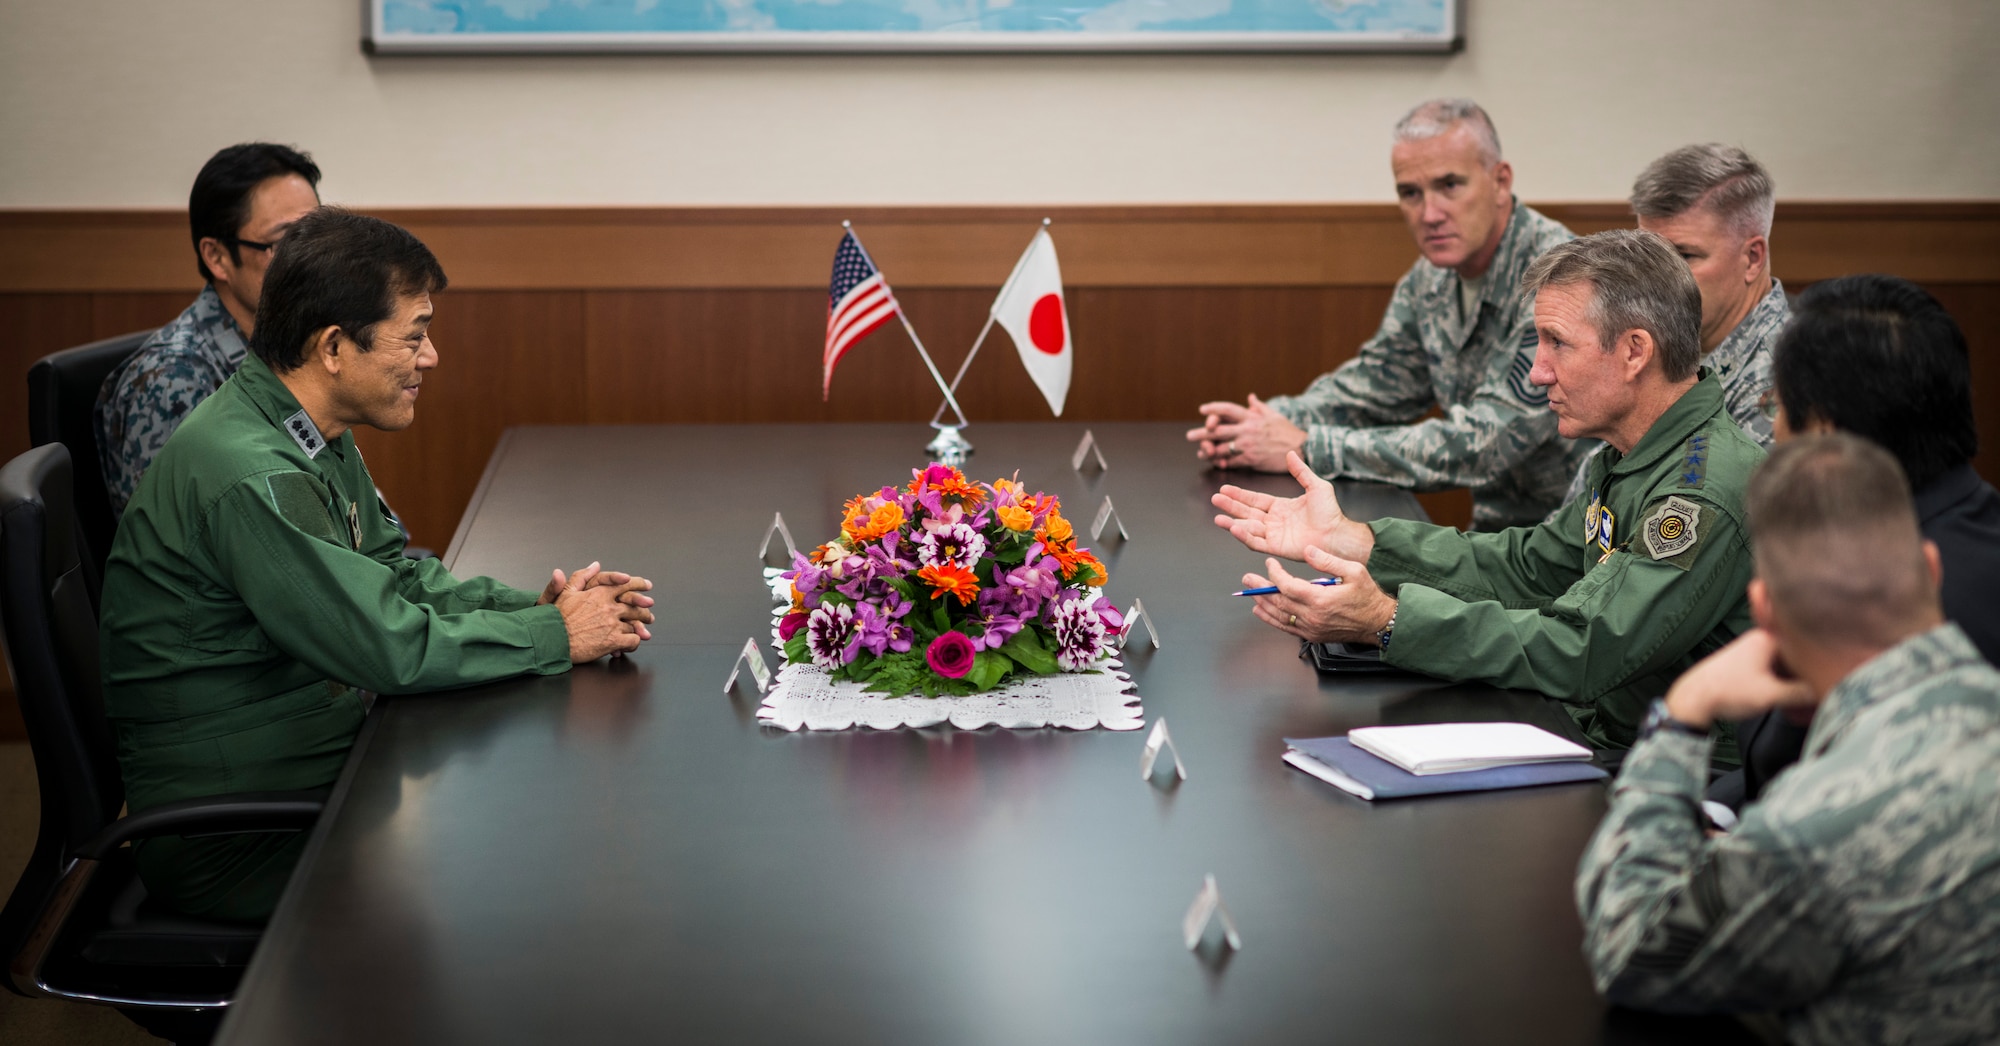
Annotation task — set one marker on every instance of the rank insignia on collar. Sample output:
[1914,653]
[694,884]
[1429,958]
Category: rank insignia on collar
[1694,463]
[304,433]
[1670,530]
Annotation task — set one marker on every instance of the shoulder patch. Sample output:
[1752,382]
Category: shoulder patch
[301,499]
[1517,374]
[1694,462]
[1671,531]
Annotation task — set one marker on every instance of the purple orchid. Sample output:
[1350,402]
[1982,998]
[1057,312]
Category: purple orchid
[1027,586]
[809,578]
[991,613]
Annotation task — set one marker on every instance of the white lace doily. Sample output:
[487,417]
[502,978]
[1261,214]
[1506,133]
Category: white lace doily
[807,697]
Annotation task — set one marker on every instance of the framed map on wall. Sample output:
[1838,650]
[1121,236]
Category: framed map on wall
[611,26]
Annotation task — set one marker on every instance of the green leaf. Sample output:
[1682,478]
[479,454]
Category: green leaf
[988,669]
[795,648]
[1026,648]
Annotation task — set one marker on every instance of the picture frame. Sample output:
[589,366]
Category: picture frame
[444,27]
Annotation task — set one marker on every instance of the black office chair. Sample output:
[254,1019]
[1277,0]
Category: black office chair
[62,397]
[62,402]
[78,924]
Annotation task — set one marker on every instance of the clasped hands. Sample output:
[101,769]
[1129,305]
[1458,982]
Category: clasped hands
[1310,528]
[1249,437]
[605,611]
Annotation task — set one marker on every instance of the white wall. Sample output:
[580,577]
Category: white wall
[115,104]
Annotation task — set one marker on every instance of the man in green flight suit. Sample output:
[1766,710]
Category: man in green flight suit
[1600,606]
[257,581]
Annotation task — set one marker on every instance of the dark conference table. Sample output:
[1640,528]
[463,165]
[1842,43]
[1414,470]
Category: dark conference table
[622,853]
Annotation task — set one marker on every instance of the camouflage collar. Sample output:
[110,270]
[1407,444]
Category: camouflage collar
[1759,327]
[1897,670]
[220,327]
[1672,430]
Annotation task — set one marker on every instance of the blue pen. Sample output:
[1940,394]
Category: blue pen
[1272,589]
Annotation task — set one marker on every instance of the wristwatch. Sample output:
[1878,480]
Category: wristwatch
[1658,719]
[1382,637]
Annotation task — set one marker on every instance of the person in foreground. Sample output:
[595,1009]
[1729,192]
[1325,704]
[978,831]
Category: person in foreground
[1917,404]
[255,582]
[1599,607]
[1859,899]
[1456,336]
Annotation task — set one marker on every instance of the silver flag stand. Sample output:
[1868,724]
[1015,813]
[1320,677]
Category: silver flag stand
[950,447]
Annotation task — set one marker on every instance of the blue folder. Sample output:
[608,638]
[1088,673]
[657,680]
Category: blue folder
[1385,780]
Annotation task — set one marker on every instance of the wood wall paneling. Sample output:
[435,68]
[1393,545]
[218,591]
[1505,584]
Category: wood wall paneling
[716,314]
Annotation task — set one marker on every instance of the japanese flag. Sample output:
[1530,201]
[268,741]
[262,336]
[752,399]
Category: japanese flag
[1030,307]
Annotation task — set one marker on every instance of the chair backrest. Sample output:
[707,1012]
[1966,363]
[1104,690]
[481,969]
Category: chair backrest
[62,400]
[51,629]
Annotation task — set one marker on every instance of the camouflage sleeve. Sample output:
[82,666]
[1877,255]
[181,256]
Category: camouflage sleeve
[1627,616]
[1504,422]
[1751,402]
[139,408]
[1387,383]
[1676,921]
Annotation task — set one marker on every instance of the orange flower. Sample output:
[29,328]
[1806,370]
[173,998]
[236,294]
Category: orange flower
[1013,517]
[1065,552]
[1098,575]
[1055,529]
[886,519]
[950,579]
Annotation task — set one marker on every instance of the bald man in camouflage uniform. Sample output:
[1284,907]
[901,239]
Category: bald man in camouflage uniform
[1859,899]
[1457,336]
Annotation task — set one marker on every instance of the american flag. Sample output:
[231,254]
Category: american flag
[857,302]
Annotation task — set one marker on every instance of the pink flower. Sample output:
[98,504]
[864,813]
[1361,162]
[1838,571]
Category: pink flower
[788,626]
[950,655]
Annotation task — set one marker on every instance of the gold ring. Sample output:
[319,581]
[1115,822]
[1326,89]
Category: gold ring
[1295,620]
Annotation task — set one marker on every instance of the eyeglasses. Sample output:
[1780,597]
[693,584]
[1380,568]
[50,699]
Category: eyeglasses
[252,244]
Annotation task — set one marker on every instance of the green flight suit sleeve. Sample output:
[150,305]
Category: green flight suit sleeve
[1519,566]
[426,581]
[1479,616]
[1387,383]
[1676,921]
[345,612]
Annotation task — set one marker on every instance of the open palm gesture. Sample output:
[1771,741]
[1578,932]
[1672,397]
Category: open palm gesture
[1283,527]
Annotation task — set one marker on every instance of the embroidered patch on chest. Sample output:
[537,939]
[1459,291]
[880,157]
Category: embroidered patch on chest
[1672,529]
[1599,523]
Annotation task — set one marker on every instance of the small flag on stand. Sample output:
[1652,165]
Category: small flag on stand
[858,301]
[1030,307]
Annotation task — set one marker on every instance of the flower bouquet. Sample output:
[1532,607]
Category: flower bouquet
[948,586]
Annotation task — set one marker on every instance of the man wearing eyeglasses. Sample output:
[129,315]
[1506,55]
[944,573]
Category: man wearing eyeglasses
[244,199]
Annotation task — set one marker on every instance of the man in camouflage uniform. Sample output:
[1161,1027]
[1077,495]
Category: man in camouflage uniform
[1457,336]
[1859,899]
[243,200]
[1600,607]
[1714,204]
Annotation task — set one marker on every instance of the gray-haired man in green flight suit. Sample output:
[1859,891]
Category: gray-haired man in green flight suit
[257,580]
[1604,604]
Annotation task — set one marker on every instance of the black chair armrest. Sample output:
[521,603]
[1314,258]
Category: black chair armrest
[242,812]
